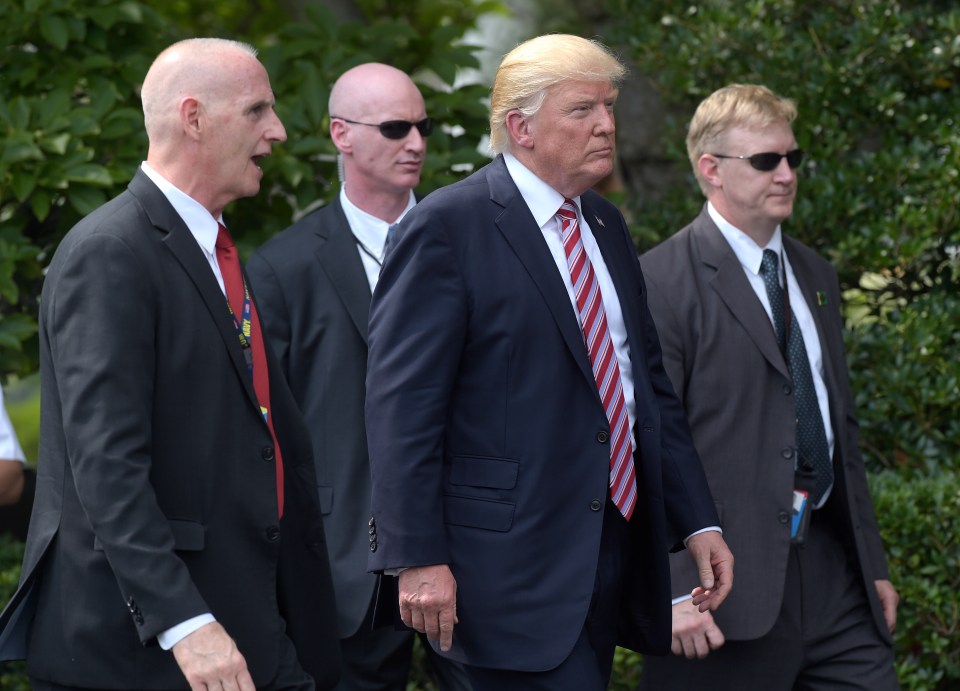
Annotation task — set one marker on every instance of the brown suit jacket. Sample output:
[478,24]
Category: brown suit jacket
[721,354]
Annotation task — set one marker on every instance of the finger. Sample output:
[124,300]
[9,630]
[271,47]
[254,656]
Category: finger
[676,646]
[246,681]
[715,638]
[446,629]
[418,621]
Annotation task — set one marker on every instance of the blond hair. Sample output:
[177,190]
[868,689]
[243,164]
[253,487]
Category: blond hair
[736,105]
[530,69]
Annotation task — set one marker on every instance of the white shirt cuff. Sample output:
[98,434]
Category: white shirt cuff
[169,638]
[702,530]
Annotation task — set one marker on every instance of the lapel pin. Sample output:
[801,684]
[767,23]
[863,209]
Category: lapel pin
[599,221]
[822,298]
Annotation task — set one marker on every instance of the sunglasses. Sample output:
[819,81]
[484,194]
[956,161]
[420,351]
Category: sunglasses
[395,129]
[769,160]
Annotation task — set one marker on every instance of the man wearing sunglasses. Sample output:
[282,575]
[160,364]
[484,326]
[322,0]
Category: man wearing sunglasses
[314,281]
[750,324]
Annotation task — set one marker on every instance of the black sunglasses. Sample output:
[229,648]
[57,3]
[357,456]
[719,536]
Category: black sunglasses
[769,160]
[396,129]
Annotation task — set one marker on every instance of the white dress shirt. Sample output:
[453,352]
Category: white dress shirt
[370,234]
[750,255]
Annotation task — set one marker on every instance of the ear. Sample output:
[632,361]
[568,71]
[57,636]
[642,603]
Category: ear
[520,128]
[709,168]
[340,134]
[191,117]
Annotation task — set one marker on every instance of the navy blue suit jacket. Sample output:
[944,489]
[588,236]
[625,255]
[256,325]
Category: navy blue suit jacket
[487,436]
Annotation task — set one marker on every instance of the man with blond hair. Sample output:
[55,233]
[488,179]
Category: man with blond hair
[531,465]
[752,336]
[314,281]
[176,540]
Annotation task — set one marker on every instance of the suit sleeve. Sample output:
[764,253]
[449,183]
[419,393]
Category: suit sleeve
[418,325]
[100,327]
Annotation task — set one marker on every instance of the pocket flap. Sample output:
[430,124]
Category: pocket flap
[481,471]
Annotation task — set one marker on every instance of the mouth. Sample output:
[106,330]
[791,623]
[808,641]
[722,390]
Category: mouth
[257,158]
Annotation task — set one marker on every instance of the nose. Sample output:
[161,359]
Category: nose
[783,172]
[276,132]
[606,123]
[414,141]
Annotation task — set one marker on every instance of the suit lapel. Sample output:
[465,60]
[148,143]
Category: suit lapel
[732,286]
[340,260]
[521,232]
[608,234]
[184,247]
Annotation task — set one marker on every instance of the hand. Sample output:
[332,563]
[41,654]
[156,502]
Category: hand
[428,602]
[695,633]
[715,566]
[888,600]
[210,661]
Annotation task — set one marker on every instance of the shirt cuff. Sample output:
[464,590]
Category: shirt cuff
[169,638]
[702,530]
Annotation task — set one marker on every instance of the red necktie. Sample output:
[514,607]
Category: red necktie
[603,359]
[238,297]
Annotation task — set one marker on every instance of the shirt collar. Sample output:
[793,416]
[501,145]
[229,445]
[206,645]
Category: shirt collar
[541,198]
[369,229]
[748,252]
[203,226]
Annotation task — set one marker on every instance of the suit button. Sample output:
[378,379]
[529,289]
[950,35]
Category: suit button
[787,390]
[602,436]
[267,453]
[783,517]
[273,533]
[787,452]
[373,545]
[596,505]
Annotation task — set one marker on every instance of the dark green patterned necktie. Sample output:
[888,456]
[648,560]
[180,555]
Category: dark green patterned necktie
[811,438]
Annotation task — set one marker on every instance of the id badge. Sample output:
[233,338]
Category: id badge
[801,516]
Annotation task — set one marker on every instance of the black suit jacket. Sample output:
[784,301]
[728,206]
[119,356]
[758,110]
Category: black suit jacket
[315,301]
[721,353]
[488,439]
[156,493]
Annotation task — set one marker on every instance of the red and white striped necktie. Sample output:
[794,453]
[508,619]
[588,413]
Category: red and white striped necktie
[603,359]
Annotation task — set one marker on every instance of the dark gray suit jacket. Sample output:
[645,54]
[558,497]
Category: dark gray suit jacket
[721,353]
[315,300]
[156,493]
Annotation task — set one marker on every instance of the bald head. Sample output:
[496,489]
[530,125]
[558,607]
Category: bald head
[367,90]
[193,67]
[379,170]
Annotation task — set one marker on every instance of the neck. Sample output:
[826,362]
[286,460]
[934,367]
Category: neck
[387,206]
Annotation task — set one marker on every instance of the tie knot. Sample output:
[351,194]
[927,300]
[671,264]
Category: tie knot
[567,210]
[224,239]
[769,263]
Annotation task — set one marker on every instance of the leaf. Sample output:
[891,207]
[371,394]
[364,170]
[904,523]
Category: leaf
[89,173]
[22,185]
[54,30]
[85,199]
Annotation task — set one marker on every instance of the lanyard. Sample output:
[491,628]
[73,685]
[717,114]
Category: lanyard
[243,327]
